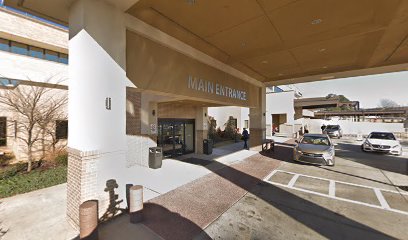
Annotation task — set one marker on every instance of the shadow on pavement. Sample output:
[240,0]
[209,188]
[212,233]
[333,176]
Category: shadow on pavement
[171,225]
[323,221]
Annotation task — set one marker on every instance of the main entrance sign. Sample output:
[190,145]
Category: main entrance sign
[199,84]
[154,67]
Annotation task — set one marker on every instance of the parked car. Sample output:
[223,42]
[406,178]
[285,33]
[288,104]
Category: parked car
[333,131]
[384,142]
[315,149]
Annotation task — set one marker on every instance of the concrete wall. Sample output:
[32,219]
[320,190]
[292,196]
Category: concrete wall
[279,103]
[350,127]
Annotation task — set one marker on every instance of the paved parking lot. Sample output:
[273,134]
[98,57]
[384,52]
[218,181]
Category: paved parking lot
[360,198]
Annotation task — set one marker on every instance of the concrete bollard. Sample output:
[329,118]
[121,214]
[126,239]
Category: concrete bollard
[136,203]
[88,220]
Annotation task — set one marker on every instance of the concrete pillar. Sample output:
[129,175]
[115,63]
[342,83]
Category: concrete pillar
[136,203]
[257,119]
[201,128]
[97,101]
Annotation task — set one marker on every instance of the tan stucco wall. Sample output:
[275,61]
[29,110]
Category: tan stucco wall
[152,66]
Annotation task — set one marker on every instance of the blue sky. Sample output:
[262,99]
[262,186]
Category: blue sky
[369,90]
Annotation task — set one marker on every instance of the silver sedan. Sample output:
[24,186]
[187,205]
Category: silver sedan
[315,149]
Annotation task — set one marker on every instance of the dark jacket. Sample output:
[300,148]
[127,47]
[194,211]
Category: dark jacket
[245,135]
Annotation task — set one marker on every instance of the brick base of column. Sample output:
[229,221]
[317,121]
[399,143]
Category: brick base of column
[81,182]
[200,136]
[257,136]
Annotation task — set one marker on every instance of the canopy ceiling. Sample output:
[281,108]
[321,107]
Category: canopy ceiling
[277,41]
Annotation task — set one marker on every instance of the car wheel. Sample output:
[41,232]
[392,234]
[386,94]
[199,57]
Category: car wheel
[362,148]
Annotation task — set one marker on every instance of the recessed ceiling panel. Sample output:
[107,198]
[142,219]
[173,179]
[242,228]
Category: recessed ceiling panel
[250,38]
[307,21]
[275,64]
[329,54]
[205,18]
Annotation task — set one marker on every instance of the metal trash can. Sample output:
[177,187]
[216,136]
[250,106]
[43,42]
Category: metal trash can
[207,146]
[155,157]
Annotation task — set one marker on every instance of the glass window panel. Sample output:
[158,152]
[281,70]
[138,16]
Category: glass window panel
[63,58]
[36,52]
[51,55]
[19,48]
[61,131]
[4,45]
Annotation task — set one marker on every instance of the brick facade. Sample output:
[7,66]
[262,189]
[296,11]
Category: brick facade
[133,106]
[82,181]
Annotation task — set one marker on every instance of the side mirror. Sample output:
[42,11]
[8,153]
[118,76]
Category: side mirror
[296,141]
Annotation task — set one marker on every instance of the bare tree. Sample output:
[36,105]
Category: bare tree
[388,103]
[36,106]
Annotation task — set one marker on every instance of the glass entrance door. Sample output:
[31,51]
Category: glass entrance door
[176,136]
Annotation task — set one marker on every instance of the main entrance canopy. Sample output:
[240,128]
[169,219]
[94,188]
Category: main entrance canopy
[275,42]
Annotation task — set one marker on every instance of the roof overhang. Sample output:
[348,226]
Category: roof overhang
[275,42]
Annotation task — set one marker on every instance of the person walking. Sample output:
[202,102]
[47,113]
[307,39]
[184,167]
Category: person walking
[245,136]
[323,127]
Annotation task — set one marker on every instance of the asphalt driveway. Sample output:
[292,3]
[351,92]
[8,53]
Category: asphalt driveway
[360,198]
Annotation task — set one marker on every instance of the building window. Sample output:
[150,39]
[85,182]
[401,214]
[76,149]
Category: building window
[36,52]
[4,45]
[51,55]
[61,129]
[246,123]
[63,58]
[23,49]
[3,131]
[19,48]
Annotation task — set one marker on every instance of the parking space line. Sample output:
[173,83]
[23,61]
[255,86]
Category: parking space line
[346,183]
[332,191]
[332,188]
[293,180]
[381,198]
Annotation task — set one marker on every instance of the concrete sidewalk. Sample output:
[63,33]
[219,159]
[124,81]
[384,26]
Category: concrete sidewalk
[41,214]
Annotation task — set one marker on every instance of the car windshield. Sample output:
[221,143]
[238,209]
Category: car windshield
[332,127]
[385,136]
[315,140]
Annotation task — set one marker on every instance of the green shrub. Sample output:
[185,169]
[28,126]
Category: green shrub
[36,179]
[8,171]
[62,159]
[13,169]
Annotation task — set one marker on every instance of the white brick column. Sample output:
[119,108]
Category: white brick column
[97,101]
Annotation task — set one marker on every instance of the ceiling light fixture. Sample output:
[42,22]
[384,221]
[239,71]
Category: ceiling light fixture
[280,74]
[324,67]
[322,49]
[243,44]
[264,62]
[316,21]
